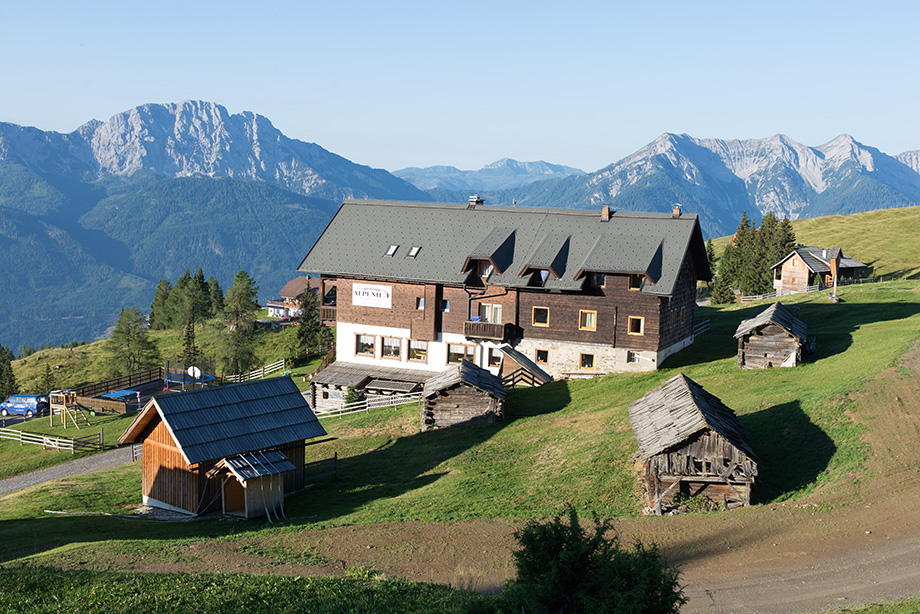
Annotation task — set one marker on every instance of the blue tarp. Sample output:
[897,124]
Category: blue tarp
[117,394]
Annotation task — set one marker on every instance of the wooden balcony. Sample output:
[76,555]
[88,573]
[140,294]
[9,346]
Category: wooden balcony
[486,330]
[327,314]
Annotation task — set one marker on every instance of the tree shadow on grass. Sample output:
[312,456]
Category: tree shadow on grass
[792,451]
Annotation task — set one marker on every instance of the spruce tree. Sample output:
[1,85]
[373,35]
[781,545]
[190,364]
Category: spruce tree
[765,252]
[8,383]
[189,349]
[159,310]
[179,304]
[199,297]
[312,334]
[240,309]
[47,383]
[711,256]
[129,349]
[216,295]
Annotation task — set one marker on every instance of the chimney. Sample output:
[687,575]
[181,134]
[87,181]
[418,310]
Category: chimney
[675,212]
[605,213]
[474,200]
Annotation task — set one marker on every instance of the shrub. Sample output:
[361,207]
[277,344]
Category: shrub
[562,567]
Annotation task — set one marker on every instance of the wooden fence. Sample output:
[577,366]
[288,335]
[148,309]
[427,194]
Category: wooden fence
[377,402]
[256,374]
[321,469]
[89,442]
[700,328]
[113,406]
[816,288]
[522,377]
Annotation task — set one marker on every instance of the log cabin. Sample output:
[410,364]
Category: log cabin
[691,443]
[580,293]
[809,266]
[465,394]
[236,449]
[772,338]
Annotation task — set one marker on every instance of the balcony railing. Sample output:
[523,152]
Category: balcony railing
[327,314]
[486,330]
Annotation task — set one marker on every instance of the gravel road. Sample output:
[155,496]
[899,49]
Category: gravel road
[88,464]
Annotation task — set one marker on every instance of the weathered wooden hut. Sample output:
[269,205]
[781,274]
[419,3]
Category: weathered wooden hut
[691,443]
[772,338]
[465,394]
[236,449]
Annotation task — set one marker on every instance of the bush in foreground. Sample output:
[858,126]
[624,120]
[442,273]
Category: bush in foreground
[562,567]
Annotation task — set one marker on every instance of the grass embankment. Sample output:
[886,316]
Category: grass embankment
[16,459]
[884,239]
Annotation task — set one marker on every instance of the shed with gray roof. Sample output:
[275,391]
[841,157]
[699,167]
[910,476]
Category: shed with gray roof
[691,443]
[218,448]
[773,338]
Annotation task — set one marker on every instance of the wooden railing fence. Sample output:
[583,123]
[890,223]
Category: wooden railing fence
[255,374]
[700,328]
[120,383]
[88,442]
[815,288]
[521,376]
[366,405]
[321,469]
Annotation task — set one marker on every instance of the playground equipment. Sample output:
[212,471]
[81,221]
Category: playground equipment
[64,404]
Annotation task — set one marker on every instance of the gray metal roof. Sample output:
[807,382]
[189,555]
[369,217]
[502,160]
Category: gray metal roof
[353,374]
[571,242]
[252,465]
[678,409]
[223,421]
[466,373]
[818,259]
[774,314]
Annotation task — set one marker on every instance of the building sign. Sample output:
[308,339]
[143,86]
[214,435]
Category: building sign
[371,295]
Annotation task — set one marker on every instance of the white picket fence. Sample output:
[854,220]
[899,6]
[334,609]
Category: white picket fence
[378,402]
[256,374]
[88,442]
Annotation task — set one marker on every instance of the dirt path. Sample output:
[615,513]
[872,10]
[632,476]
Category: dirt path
[87,464]
[848,544]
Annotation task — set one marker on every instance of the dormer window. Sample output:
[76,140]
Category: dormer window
[391,251]
[413,251]
[635,282]
[484,268]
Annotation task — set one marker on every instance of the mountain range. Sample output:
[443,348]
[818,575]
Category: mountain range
[92,219]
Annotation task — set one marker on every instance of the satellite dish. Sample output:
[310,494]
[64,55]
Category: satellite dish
[194,372]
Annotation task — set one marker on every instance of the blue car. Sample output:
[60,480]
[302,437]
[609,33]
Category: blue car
[27,405]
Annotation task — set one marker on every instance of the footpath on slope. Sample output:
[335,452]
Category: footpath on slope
[87,464]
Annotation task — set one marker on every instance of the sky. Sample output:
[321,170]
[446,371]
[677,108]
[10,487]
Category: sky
[398,84]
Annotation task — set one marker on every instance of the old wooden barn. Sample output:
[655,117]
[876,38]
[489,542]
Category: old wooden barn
[772,338]
[465,394]
[236,449]
[691,443]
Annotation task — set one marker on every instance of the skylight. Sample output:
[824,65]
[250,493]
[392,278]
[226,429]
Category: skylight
[391,251]
[413,251]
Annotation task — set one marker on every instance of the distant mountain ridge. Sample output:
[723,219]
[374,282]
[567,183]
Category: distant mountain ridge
[718,179]
[503,174]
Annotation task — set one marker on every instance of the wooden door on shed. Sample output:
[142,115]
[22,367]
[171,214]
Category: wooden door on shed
[234,498]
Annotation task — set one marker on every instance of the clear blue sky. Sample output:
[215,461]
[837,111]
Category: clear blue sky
[396,84]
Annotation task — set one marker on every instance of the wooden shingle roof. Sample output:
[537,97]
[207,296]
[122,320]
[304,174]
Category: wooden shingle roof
[467,373]
[678,409]
[778,315]
[223,421]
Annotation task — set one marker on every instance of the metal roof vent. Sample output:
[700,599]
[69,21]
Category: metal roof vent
[474,200]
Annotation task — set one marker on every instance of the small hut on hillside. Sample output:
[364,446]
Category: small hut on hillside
[772,338]
[691,443]
[237,449]
[465,394]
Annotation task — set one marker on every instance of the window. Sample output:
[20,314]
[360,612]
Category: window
[541,316]
[495,357]
[391,251]
[635,281]
[598,280]
[632,357]
[587,320]
[542,357]
[484,268]
[391,347]
[364,345]
[587,361]
[419,303]
[413,251]
[490,313]
[673,318]
[456,353]
[636,325]
[325,394]
[418,351]
[683,314]
[445,305]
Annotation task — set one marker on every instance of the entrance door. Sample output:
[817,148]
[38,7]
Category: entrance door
[234,498]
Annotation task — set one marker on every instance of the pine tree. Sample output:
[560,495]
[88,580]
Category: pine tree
[312,334]
[747,272]
[159,310]
[189,349]
[240,305]
[178,306]
[216,295]
[199,297]
[47,383]
[765,253]
[8,383]
[130,349]
[711,256]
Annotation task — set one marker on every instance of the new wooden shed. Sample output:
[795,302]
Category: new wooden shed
[236,449]
[691,443]
[465,394]
[772,338]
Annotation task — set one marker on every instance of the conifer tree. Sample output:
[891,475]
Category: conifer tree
[216,295]
[130,349]
[189,349]
[159,310]
[240,309]
[8,383]
[199,297]
[47,383]
[179,304]
[312,334]
[711,256]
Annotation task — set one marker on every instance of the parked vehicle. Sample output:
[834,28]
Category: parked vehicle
[27,405]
